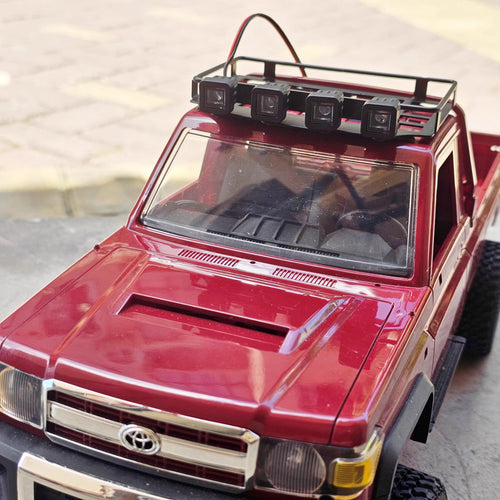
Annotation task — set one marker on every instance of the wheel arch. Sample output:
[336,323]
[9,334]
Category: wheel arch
[413,422]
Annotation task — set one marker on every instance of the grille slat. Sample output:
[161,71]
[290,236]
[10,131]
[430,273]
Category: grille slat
[152,461]
[164,428]
[95,427]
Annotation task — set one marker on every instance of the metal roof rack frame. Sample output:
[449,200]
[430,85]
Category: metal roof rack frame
[421,114]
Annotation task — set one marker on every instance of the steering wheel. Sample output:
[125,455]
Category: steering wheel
[391,230]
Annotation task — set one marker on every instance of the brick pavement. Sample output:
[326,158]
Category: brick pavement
[90,91]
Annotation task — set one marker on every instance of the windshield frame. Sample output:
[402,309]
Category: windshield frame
[281,250]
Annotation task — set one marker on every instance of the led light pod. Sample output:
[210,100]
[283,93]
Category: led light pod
[217,94]
[380,118]
[269,102]
[324,110]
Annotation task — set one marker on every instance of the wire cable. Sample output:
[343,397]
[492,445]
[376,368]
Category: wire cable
[276,26]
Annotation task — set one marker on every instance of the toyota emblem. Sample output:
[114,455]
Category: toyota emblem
[139,439]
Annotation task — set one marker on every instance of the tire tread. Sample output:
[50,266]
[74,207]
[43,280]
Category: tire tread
[480,315]
[411,484]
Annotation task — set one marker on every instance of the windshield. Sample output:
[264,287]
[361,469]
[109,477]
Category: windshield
[288,202]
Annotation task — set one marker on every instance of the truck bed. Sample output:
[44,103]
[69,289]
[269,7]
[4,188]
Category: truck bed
[486,148]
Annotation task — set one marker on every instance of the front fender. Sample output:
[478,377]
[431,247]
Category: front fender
[413,421]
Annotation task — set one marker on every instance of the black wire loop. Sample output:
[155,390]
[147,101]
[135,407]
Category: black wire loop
[276,26]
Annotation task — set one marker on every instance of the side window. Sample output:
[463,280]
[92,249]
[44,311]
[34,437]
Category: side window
[445,219]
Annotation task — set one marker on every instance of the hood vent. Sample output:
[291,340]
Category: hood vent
[313,279]
[279,272]
[210,258]
[140,305]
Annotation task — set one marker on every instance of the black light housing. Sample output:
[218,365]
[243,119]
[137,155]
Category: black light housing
[218,94]
[269,102]
[380,117]
[324,110]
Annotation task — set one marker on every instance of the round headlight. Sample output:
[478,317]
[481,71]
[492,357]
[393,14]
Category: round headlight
[295,468]
[20,396]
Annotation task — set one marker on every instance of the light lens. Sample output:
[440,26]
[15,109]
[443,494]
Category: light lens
[324,110]
[295,467]
[21,396]
[217,95]
[358,473]
[269,102]
[380,118]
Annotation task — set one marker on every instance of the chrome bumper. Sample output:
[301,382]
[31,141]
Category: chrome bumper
[34,472]
[29,466]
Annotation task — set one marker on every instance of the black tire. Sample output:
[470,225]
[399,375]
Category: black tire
[480,316]
[411,484]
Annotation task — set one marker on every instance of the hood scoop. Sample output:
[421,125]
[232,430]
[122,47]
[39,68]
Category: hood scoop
[142,306]
[285,339]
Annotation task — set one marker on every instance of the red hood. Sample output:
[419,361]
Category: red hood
[242,350]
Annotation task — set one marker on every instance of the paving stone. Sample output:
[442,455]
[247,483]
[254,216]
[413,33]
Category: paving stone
[21,167]
[469,22]
[84,117]
[142,77]
[162,121]
[74,70]
[130,98]
[78,32]
[58,143]
[5,145]
[15,111]
[145,145]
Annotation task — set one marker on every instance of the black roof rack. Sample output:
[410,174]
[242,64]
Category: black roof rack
[421,114]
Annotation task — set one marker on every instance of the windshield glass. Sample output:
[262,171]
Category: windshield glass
[288,202]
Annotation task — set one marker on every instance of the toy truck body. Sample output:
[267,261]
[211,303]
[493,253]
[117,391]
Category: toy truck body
[277,317]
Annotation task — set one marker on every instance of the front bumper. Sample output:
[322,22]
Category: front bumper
[32,468]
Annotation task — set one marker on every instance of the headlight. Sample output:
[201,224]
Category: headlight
[310,470]
[21,395]
[295,468]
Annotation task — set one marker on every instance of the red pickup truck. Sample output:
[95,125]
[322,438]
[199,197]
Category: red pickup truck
[281,313]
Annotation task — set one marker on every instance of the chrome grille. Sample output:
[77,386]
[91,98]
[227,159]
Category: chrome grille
[189,448]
